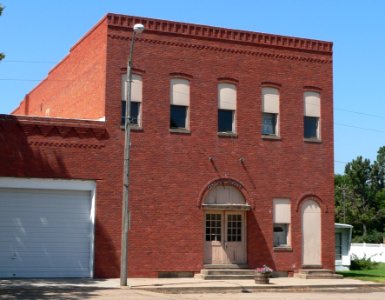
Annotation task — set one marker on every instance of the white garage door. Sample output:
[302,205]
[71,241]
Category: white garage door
[45,233]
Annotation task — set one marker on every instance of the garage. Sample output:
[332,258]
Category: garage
[46,228]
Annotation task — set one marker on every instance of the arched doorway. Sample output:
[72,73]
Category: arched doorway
[225,226]
[311,233]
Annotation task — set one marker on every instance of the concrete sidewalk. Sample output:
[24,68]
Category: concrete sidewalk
[195,285]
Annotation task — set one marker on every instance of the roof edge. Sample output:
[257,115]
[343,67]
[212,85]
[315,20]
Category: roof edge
[85,36]
[218,33]
[341,225]
[51,121]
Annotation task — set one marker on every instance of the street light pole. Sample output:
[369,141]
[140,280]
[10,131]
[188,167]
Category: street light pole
[126,218]
[343,198]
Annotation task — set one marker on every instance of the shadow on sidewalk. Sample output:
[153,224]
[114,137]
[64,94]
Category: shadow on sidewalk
[51,292]
[60,289]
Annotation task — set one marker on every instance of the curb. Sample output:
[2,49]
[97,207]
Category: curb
[265,288]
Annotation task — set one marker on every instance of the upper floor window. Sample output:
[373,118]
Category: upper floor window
[227,102]
[312,115]
[281,220]
[180,102]
[270,111]
[135,117]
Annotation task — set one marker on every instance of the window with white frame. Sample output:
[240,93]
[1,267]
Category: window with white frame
[227,103]
[180,102]
[135,117]
[270,111]
[312,102]
[281,220]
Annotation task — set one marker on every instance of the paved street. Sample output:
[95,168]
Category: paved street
[189,289]
[116,293]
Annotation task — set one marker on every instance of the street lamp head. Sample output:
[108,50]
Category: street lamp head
[138,28]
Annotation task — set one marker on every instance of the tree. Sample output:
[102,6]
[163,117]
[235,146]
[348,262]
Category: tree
[360,197]
[1,11]
[358,174]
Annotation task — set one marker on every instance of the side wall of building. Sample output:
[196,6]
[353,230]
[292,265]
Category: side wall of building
[75,88]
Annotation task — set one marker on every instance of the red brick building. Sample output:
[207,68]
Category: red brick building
[231,155]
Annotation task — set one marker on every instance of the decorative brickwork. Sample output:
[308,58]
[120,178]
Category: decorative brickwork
[201,31]
[65,145]
[229,50]
[58,127]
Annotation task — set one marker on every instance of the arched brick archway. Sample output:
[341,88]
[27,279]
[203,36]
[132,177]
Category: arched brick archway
[224,182]
[224,206]
[306,196]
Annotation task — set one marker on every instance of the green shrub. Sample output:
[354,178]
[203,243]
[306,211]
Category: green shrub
[364,263]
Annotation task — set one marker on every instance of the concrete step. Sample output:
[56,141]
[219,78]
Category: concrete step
[317,274]
[226,266]
[228,277]
[226,274]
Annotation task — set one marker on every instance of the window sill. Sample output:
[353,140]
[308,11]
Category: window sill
[133,128]
[271,137]
[283,249]
[312,140]
[227,134]
[179,130]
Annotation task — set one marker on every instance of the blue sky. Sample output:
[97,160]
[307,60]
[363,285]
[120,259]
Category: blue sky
[37,34]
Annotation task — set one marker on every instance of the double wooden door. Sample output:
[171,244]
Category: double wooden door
[225,237]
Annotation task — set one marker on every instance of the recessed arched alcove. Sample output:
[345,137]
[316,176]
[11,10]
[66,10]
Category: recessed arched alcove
[225,225]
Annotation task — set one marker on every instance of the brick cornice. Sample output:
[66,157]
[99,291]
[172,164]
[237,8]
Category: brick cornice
[216,33]
[57,126]
[65,145]
[294,57]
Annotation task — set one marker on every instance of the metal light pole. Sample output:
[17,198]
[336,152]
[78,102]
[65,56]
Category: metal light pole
[138,28]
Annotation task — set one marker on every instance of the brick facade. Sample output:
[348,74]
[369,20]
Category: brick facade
[170,171]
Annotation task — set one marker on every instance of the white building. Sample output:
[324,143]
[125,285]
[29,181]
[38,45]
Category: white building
[343,238]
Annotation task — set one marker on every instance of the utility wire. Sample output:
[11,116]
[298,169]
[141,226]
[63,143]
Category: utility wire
[337,124]
[29,61]
[339,109]
[360,113]
[340,162]
[357,127]
[21,79]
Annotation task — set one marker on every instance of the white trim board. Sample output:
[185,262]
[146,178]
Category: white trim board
[47,183]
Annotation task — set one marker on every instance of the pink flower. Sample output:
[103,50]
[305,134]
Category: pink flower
[264,269]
